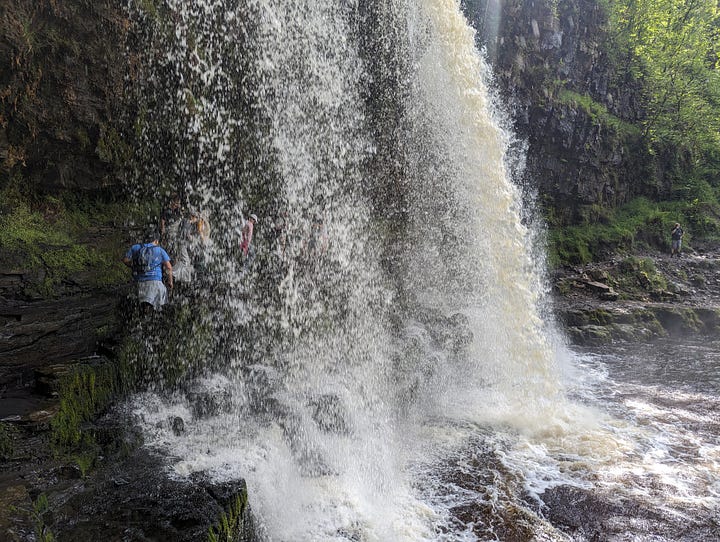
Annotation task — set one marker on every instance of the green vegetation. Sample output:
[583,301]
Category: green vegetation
[40,509]
[86,391]
[639,224]
[668,51]
[169,349]
[149,8]
[86,459]
[51,239]
[230,525]
[597,112]
[673,46]
[641,272]
[36,514]
[112,148]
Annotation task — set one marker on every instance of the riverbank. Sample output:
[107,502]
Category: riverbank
[640,297]
[66,448]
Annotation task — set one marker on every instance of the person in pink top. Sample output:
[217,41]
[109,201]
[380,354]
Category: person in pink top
[248,251]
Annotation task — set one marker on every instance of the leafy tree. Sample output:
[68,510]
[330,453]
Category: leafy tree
[673,46]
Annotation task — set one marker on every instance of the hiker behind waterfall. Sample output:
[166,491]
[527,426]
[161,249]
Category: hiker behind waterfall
[246,246]
[676,236]
[147,261]
[170,221]
[318,242]
[193,236]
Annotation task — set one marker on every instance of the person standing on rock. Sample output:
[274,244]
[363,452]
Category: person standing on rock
[246,246]
[190,248]
[147,261]
[676,236]
[170,221]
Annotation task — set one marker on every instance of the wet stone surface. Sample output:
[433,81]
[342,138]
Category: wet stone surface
[127,495]
[588,515]
[653,296]
[329,414]
[136,500]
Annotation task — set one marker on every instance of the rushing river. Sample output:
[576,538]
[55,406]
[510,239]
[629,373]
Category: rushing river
[641,463]
[663,406]
[635,455]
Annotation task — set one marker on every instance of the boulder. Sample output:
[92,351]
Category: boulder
[137,500]
[210,396]
[329,413]
[598,287]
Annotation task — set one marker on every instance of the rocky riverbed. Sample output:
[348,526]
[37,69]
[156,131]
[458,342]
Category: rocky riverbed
[640,297]
[72,465]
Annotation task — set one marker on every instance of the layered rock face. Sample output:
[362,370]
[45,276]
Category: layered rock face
[42,332]
[555,68]
[62,72]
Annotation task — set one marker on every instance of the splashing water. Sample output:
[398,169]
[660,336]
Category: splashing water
[328,416]
[512,351]
[383,368]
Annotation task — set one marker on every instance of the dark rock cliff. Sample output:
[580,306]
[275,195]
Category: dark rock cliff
[62,73]
[555,67]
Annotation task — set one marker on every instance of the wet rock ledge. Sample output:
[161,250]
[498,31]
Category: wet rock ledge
[641,297]
[72,467]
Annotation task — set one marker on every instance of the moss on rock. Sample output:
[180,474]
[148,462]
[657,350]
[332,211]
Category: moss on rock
[232,526]
[7,437]
[679,320]
[85,391]
[165,349]
[601,326]
[591,334]
[51,241]
[710,319]
[598,326]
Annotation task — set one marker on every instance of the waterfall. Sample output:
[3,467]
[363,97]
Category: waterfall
[492,255]
[338,372]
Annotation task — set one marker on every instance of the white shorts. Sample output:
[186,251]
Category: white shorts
[153,292]
[183,270]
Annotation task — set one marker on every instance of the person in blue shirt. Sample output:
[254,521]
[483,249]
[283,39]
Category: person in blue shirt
[147,261]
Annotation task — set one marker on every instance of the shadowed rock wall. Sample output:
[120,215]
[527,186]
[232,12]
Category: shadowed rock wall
[62,72]
[63,67]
